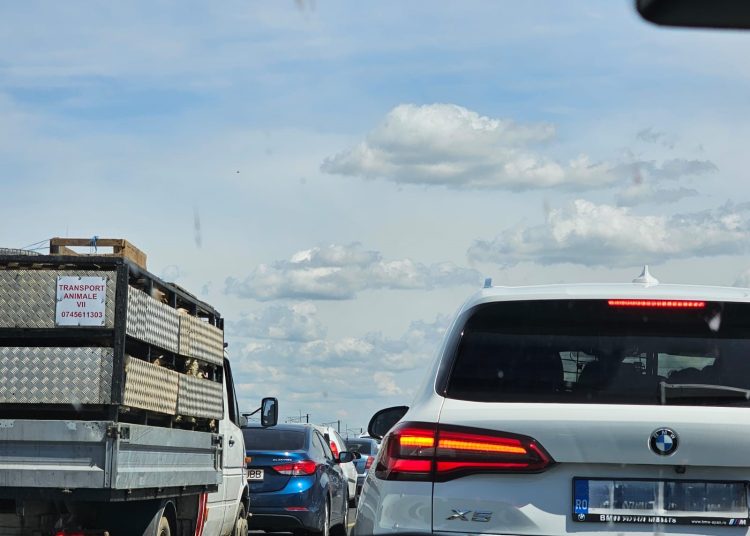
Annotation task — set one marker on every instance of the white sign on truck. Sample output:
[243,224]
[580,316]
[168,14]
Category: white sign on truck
[81,301]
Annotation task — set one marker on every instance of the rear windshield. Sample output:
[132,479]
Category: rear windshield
[586,351]
[272,439]
[363,447]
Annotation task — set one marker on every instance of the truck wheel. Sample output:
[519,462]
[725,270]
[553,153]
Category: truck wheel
[240,524]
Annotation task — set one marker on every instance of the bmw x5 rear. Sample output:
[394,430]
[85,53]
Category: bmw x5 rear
[580,409]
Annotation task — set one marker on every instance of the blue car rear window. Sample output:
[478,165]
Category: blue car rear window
[272,439]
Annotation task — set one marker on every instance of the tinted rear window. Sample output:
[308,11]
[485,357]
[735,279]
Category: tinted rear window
[363,447]
[584,351]
[272,439]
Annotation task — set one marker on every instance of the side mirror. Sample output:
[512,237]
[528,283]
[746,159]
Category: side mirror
[269,412]
[696,13]
[384,420]
[345,457]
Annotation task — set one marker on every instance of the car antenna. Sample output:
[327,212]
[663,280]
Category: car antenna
[646,278]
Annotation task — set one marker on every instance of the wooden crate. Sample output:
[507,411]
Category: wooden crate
[120,248]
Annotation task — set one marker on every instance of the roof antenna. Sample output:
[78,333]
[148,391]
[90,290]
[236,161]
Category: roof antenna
[487,282]
[646,278]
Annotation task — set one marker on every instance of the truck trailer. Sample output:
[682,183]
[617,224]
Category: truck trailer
[118,413]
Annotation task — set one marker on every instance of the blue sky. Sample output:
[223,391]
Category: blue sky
[357,170]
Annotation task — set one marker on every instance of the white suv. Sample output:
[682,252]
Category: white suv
[577,409]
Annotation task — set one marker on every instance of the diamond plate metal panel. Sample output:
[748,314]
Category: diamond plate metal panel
[162,325]
[200,398]
[150,387]
[27,297]
[152,321]
[53,375]
[201,340]
[136,320]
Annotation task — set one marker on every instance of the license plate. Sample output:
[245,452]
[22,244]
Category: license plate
[668,502]
[255,474]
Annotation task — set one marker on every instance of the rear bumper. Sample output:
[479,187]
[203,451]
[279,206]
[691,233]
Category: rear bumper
[279,519]
[270,511]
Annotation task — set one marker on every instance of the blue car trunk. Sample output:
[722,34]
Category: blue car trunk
[266,461]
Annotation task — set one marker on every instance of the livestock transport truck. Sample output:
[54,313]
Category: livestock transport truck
[118,413]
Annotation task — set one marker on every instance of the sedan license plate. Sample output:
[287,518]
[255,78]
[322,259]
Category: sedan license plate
[255,474]
[668,502]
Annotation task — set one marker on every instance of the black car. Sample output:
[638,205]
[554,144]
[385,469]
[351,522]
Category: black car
[367,448]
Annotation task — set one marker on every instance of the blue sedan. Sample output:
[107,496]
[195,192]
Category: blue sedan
[296,483]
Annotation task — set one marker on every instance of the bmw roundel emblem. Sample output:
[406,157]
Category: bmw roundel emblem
[663,441]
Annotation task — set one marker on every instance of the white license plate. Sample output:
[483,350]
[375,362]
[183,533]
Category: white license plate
[255,474]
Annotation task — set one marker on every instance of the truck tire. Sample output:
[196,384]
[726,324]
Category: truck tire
[240,524]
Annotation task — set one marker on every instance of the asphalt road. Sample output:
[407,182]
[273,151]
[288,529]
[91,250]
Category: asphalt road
[352,517]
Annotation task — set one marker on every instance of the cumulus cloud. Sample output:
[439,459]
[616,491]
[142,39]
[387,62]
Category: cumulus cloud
[296,322]
[339,272]
[449,145]
[603,235]
[365,373]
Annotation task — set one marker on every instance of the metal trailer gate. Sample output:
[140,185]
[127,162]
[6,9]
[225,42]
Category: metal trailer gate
[153,354]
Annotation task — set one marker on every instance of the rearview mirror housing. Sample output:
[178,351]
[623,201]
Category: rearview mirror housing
[384,420]
[269,412]
[696,13]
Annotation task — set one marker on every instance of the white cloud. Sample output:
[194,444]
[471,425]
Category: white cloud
[296,322]
[603,235]
[339,272]
[672,169]
[449,145]
[640,194]
[359,374]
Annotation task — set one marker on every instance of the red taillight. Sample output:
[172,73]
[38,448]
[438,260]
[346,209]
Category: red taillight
[659,304]
[421,451]
[369,461]
[302,468]
[334,449]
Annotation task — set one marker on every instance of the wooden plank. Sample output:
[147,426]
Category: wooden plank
[120,248]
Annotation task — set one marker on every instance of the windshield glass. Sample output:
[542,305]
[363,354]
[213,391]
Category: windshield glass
[606,356]
[271,439]
[363,447]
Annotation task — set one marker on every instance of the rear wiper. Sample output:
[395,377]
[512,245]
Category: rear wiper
[697,390]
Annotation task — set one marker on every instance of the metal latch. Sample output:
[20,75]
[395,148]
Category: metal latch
[118,431]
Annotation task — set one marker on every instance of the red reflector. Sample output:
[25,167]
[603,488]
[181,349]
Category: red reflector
[421,451]
[413,466]
[659,304]
[452,466]
[369,461]
[296,509]
[302,468]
